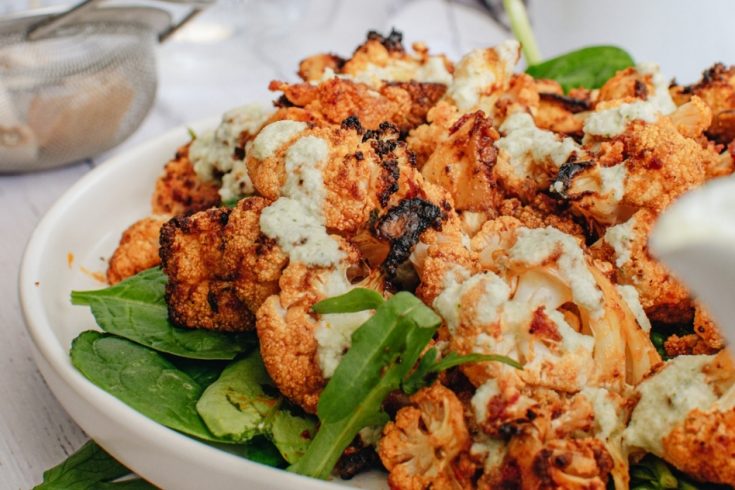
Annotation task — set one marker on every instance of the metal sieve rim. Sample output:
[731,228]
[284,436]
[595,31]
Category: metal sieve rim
[152,17]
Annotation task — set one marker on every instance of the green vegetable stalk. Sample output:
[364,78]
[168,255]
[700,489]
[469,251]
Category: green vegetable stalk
[588,67]
[522,30]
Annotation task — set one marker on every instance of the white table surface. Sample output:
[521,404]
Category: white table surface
[201,76]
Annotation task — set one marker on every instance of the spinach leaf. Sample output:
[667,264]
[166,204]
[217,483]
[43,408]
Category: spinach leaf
[141,378]
[235,407]
[203,372]
[358,299]
[383,350]
[89,468]
[653,473]
[239,406]
[429,365]
[291,433]
[588,67]
[260,450]
[136,309]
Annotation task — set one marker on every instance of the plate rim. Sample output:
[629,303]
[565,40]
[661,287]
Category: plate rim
[53,353]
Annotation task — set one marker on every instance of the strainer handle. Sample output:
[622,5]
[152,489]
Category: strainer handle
[173,28]
[47,26]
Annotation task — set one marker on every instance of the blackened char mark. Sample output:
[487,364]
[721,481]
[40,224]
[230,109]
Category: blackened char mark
[283,102]
[402,226]
[640,90]
[392,42]
[571,104]
[352,122]
[357,460]
[389,178]
[387,131]
[564,178]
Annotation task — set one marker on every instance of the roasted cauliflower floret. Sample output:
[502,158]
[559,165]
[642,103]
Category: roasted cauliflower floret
[656,164]
[137,250]
[529,158]
[423,448]
[301,349]
[352,174]
[180,191]
[717,90]
[685,415]
[380,59]
[560,442]
[218,156]
[629,83]
[540,212]
[220,267]
[481,76]
[404,104]
[706,338]
[542,302]
[480,79]
[463,164]
[558,112]
[625,246]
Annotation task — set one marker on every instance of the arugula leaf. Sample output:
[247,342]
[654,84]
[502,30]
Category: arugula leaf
[429,365]
[358,299]
[588,67]
[141,378]
[89,468]
[136,309]
[383,350]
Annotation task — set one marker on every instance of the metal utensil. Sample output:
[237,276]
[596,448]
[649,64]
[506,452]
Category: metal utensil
[76,83]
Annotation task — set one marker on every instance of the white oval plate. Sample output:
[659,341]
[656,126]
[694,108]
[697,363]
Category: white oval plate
[70,245]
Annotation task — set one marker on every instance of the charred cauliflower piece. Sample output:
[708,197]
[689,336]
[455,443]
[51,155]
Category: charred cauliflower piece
[627,84]
[542,302]
[138,249]
[686,415]
[480,80]
[652,164]
[422,449]
[220,267]
[404,104]
[558,112]
[662,296]
[463,164]
[180,191]
[717,90]
[380,59]
[529,158]
[356,173]
[561,442]
[301,349]
[706,338]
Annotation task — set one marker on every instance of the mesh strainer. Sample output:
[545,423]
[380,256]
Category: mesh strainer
[81,86]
